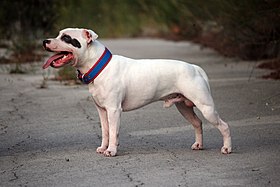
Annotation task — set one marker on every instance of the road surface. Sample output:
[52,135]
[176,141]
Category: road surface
[48,136]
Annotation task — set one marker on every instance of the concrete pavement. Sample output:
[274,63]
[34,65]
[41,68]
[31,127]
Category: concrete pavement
[48,136]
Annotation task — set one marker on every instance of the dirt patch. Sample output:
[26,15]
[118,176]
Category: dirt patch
[226,47]
[219,43]
[273,65]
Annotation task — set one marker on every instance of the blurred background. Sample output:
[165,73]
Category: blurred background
[247,29]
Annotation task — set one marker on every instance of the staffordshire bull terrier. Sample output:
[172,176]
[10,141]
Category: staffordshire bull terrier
[119,84]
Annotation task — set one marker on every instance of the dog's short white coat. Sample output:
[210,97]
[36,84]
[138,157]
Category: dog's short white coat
[127,84]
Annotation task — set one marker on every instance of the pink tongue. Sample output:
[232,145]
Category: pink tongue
[51,59]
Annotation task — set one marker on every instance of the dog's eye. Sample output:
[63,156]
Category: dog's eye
[66,38]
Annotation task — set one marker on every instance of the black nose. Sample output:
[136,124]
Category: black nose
[46,42]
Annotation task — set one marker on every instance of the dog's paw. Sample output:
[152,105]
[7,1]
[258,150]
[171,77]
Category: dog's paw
[109,153]
[226,150]
[197,146]
[101,150]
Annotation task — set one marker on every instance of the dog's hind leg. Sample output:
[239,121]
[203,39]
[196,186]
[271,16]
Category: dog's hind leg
[188,113]
[213,117]
[202,99]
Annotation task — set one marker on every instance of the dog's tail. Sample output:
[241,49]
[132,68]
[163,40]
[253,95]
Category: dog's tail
[204,75]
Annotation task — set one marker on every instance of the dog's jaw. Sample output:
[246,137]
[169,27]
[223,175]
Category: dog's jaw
[59,59]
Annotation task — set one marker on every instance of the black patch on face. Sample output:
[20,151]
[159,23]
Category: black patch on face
[67,39]
[76,43]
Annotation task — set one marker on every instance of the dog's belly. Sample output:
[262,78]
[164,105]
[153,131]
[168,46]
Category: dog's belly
[137,97]
[129,104]
[169,100]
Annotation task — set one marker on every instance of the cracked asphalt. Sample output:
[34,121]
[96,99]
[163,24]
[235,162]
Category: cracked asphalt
[48,136]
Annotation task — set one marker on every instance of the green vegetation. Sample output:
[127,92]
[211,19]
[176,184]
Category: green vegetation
[249,29]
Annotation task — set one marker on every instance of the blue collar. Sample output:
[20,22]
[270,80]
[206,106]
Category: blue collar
[97,68]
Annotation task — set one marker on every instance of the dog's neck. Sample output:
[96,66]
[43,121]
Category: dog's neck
[95,63]
[92,54]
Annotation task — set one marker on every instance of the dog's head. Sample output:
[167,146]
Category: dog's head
[69,46]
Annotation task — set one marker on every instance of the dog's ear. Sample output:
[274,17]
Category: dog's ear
[89,35]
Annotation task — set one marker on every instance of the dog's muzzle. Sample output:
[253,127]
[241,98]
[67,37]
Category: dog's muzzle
[45,42]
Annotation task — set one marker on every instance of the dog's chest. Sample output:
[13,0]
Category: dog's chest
[98,94]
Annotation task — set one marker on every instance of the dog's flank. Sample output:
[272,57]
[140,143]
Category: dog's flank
[121,86]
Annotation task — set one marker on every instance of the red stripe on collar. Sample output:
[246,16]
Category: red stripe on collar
[96,68]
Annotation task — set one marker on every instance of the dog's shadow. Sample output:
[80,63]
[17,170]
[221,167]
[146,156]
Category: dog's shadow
[153,144]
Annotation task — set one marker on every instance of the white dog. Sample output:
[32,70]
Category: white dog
[120,84]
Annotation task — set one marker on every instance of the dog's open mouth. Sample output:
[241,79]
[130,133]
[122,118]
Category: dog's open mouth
[59,59]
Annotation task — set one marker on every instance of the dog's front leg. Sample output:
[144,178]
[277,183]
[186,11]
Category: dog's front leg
[104,128]
[114,116]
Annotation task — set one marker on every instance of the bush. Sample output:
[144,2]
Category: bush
[28,19]
[22,23]
[249,29]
